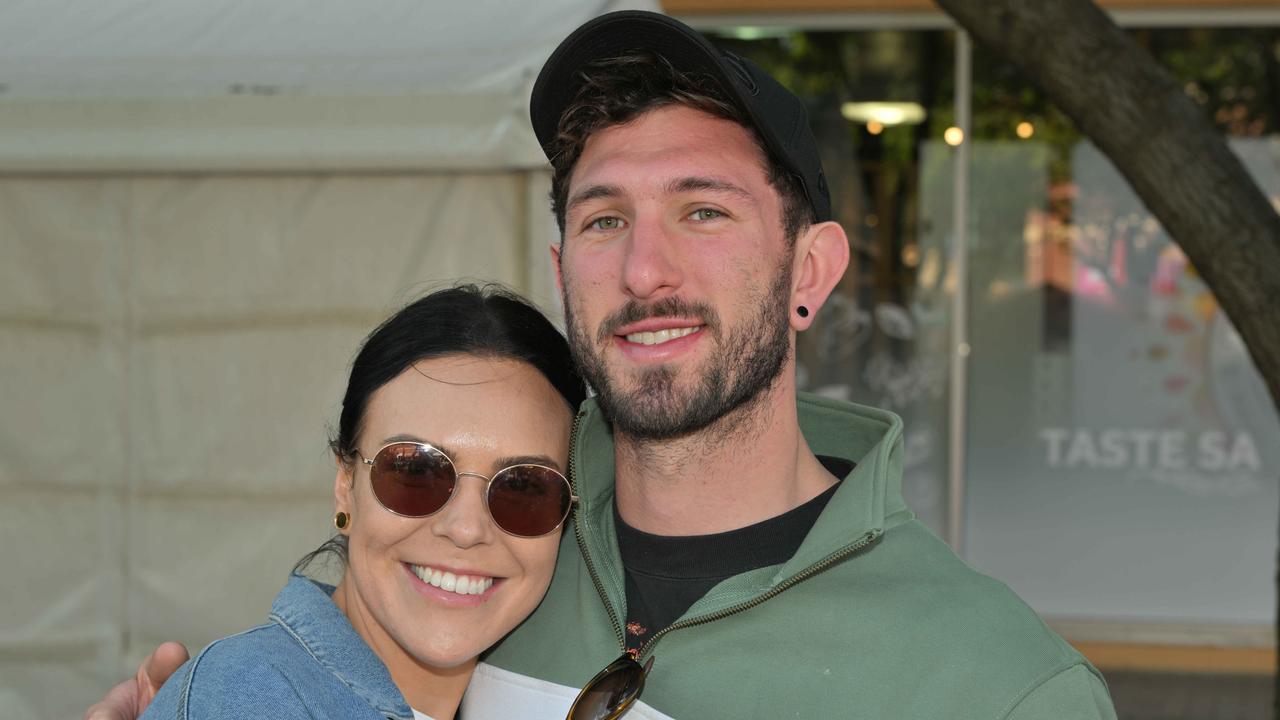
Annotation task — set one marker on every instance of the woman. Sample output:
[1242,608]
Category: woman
[450,500]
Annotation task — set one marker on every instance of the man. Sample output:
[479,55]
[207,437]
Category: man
[751,543]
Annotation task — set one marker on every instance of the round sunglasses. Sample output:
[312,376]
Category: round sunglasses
[415,479]
[612,691]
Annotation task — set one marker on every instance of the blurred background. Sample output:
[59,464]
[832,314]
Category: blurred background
[204,206]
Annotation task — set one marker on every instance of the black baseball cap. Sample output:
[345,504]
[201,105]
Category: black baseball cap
[778,116]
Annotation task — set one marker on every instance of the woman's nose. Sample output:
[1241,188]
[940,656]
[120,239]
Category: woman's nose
[464,520]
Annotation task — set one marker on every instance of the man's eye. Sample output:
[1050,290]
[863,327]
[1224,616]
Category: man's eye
[705,214]
[606,223]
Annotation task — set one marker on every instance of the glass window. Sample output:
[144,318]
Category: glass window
[1122,449]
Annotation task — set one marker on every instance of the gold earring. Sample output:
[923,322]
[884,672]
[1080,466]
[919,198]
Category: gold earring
[340,520]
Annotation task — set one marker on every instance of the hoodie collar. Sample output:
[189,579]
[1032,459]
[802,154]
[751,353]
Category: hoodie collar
[869,497]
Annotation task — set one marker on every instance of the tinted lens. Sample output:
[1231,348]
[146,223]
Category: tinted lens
[411,479]
[529,500]
[611,691]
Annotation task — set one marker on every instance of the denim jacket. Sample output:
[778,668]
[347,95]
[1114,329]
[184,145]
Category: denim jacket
[307,662]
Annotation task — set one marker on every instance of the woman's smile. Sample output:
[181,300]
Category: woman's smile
[467,583]
[451,588]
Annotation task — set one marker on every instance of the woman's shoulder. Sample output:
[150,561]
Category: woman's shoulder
[261,672]
[268,653]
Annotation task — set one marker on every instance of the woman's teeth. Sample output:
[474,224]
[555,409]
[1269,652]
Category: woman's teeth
[659,337]
[460,584]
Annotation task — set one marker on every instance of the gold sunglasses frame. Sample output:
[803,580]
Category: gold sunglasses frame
[633,676]
[573,499]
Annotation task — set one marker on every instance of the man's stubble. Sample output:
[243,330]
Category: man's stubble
[745,361]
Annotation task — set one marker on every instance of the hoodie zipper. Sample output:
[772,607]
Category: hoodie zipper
[577,534]
[834,558]
[862,543]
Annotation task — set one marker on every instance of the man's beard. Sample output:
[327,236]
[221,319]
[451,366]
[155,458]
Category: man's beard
[741,367]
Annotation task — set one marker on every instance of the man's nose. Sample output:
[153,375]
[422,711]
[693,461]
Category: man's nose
[651,266]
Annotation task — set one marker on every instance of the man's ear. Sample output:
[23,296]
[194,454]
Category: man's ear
[344,488]
[821,257]
[555,263]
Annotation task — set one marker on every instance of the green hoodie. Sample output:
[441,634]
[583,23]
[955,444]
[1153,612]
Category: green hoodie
[873,617]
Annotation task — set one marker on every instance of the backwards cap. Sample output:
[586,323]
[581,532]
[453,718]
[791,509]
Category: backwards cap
[778,116]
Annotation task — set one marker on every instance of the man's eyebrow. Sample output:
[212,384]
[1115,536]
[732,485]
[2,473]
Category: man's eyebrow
[693,184]
[592,192]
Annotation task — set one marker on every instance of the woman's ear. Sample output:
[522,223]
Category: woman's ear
[821,257]
[343,489]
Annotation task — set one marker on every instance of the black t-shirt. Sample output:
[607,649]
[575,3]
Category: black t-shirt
[667,575]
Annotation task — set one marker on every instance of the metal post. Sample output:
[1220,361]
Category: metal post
[960,300]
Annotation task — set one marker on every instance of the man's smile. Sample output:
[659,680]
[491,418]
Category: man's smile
[658,337]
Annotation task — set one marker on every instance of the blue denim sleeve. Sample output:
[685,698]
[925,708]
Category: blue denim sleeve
[241,677]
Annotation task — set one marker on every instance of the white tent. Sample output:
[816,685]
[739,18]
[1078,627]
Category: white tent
[203,207]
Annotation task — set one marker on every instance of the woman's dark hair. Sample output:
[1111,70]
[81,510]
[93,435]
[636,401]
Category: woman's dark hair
[488,321]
